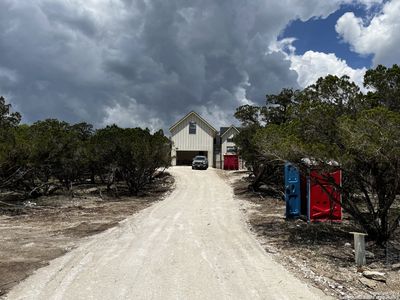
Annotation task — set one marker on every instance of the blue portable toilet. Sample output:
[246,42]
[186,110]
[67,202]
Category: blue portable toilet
[292,191]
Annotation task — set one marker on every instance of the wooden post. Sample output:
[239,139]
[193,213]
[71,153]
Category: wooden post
[359,248]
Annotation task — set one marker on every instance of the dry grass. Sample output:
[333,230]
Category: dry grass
[320,253]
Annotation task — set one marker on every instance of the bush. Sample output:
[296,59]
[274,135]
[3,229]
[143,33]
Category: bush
[51,154]
[333,120]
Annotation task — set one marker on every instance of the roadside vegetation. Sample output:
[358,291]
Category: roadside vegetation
[50,156]
[60,182]
[332,120]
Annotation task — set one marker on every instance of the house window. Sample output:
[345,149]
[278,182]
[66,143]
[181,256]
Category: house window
[229,140]
[192,127]
[231,149]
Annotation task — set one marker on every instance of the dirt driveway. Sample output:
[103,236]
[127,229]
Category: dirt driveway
[193,245]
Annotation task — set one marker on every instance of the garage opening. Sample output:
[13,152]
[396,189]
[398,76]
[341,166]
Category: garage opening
[184,158]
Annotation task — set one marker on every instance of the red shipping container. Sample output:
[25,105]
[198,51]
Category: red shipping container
[324,199]
[231,162]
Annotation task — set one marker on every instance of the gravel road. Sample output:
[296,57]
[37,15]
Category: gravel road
[193,245]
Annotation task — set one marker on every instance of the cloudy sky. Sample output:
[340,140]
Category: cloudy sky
[149,62]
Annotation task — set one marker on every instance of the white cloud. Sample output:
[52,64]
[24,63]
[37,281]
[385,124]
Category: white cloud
[368,3]
[380,37]
[312,65]
[322,9]
[284,45]
[216,116]
[132,115]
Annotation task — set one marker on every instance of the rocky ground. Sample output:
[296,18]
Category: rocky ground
[34,232]
[322,254]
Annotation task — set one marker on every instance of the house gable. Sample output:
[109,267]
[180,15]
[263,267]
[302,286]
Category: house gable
[191,114]
[226,143]
[229,130]
[201,140]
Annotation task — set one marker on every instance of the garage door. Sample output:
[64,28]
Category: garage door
[184,158]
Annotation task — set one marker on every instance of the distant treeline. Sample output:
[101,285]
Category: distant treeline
[332,120]
[50,155]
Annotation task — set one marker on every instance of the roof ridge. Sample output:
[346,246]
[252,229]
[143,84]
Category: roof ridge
[187,115]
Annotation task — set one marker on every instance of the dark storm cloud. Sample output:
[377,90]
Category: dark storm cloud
[143,62]
[61,13]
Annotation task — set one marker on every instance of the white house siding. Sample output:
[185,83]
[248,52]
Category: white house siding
[203,140]
[224,140]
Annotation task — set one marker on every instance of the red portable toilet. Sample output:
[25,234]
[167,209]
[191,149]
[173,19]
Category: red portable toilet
[231,162]
[323,198]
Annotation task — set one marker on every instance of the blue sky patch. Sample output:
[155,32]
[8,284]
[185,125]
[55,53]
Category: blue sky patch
[320,35]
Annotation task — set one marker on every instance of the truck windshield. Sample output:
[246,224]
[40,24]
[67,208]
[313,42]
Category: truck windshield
[199,158]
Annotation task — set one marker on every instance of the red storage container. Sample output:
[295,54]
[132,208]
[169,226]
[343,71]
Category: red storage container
[231,162]
[324,200]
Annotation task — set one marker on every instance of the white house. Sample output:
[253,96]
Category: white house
[192,135]
[227,135]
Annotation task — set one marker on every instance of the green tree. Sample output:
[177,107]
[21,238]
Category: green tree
[249,116]
[131,154]
[385,85]
[330,124]
[15,171]
[277,109]
[142,154]
[8,123]
[370,158]
[50,155]
[8,118]
[58,151]
[265,171]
